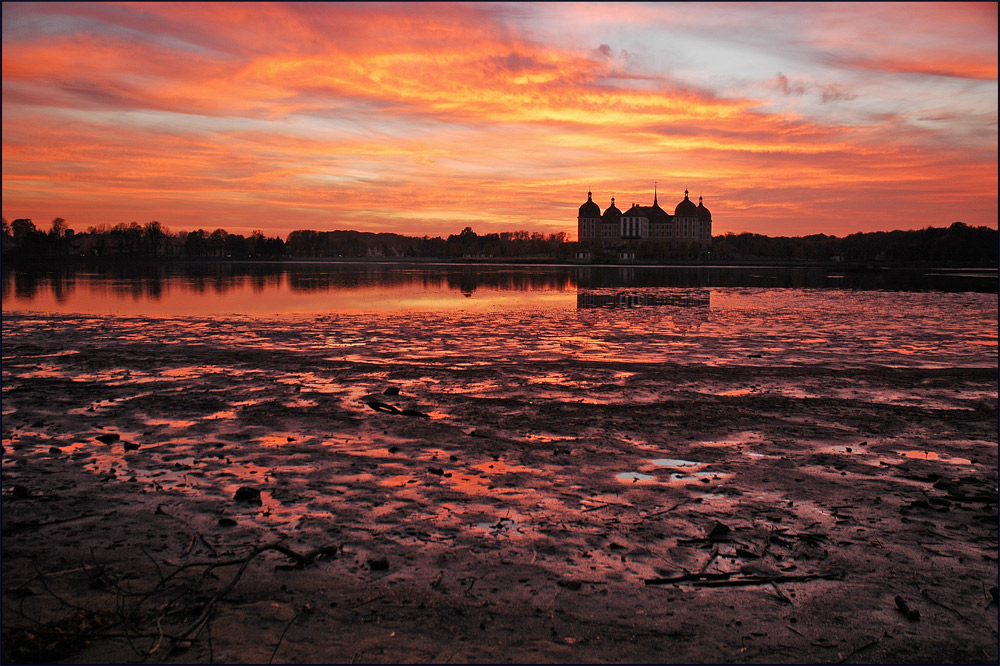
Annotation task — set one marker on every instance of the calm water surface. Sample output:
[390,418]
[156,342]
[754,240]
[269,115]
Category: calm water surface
[702,315]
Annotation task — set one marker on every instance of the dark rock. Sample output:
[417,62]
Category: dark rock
[911,614]
[248,494]
[393,449]
[379,406]
[129,446]
[436,470]
[107,438]
[55,450]
[20,492]
[227,522]
[381,564]
[415,412]
[718,531]
[570,584]
[392,390]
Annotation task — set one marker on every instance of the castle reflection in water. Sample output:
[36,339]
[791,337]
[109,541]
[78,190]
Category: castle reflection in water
[590,298]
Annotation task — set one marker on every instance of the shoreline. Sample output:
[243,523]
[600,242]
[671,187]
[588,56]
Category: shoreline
[16,264]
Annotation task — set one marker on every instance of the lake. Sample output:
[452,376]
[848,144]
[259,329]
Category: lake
[923,317]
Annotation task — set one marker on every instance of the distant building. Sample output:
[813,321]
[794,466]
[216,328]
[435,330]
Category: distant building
[689,225]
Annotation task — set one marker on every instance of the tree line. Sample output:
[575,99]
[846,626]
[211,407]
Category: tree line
[958,243]
[152,239]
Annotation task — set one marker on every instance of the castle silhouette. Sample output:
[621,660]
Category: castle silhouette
[689,224]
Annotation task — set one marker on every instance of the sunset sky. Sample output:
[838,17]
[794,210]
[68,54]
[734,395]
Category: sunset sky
[421,119]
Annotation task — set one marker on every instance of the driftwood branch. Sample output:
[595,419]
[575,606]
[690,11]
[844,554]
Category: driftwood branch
[729,580]
[302,559]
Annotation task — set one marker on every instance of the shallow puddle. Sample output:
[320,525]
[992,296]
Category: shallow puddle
[673,462]
[938,457]
[634,476]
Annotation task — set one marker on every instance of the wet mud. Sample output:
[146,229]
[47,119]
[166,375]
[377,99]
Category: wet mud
[333,489]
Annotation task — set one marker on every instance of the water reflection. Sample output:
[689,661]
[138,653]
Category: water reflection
[257,287]
[623,298]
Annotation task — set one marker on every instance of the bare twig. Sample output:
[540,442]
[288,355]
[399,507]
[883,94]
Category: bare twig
[158,571]
[282,636]
[856,650]
[934,601]
[781,595]
[205,541]
[667,510]
[711,557]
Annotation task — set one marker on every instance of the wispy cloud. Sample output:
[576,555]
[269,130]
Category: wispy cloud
[422,118]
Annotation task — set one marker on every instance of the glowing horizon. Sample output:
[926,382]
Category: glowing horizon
[421,119]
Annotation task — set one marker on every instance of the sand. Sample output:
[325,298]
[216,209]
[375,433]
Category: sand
[530,509]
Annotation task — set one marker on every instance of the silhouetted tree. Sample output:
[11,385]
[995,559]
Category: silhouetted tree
[155,236]
[217,243]
[21,228]
[195,244]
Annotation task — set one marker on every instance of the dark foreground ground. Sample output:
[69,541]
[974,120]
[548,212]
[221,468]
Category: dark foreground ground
[549,511]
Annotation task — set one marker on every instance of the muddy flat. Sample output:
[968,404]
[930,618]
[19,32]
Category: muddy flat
[474,488]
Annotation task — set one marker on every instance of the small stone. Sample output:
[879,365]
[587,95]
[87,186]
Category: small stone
[107,438]
[129,446]
[392,390]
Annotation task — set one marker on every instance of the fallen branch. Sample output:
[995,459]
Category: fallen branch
[192,629]
[727,579]
[605,505]
[667,510]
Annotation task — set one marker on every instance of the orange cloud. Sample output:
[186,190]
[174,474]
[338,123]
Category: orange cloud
[427,118]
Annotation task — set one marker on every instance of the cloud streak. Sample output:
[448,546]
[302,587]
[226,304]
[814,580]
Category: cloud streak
[425,118]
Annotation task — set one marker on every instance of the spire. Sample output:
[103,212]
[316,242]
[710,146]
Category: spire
[589,195]
[654,193]
[685,193]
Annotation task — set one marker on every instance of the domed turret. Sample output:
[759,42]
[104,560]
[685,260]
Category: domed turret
[612,214]
[703,213]
[590,209]
[686,208]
